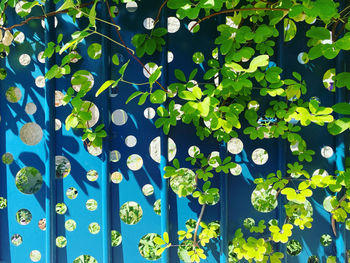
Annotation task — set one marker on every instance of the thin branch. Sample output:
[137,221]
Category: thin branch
[133,83]
[128,49]
[112,40]
[237,10]
[197,226]
[53,13]
[159,12]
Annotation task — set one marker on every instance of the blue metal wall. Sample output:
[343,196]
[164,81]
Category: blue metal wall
[236,191]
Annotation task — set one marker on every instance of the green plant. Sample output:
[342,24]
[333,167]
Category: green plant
[237,80]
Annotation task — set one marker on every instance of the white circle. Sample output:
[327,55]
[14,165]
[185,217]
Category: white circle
[119,117]
[30,108]
[260,156]
[95,151]
[294,147]
[149,69]
[148,23]
[193,150]
[327,152]
[213,162]
[301,59]
[149,113]
[130,141]
[170,56]
[40,81]
[24,59]
[155,150]
[58,98]
[20,37]
[191,24]
[18,7]
[43,22]
[40,59]
[235,146]
[236,170]
[114,156]
[58,124]
[173,24]
[321,172]
[134,162]
[131,7]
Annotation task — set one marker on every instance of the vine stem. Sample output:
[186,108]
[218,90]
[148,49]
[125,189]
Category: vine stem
[159,12]
[112,40]
[238,10]
[128,49]
[53,13]
[197,226]
[332,218]
[133,83]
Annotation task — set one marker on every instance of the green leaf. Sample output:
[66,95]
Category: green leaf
[155,76]
[259,61]
[319,33]
[123,68]
[115,59]
[180,75]
[53,71]
[342,80]
[338,126]
[92,14]
[159,32]
[67,4]
[158,97]
[104,87]
[133,96]
[150,46]
[187,95]
[95,51]
[159,241]
[166,237]
[342,108]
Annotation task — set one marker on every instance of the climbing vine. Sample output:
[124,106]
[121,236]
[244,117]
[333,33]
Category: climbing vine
[230,99]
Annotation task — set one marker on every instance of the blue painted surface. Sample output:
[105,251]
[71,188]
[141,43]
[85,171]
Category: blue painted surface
[110,197]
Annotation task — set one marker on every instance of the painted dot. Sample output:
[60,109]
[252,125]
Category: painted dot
[31,133]
[61,208]
[35,255]
[157,207]
[116,177]
[130,213]
[40,81]
[58,124]
[95,151]
[13,94]
[154,149]
[40,57]
[70,225]
[131,6]
[89,106]
[82,78]
[184,182]
[170,56]
[173,24]
[147,244]
[148,189]
[149,68]
[42,224]
[192,27]
[44,25]
[24,59]
[29,180]
[198,57]
[303,58]
[327,152]
[30,108]
[63,166]
[7,158]
[16,239]
[294,247]
[235,146]
[94,228]
[193,150]
[134,162]
[114,156]
[253,105]
[19,37]
[23,217]
[130,141]
[72,193]
[260,156]
[92,175]
[85,259]
[116,238]
[321,172]
[119,117]
[148,23]
[149,113]
[264,200]
[236,170]
[213,160]
[58,98]
[91,204]
[61,241]
[3,202]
